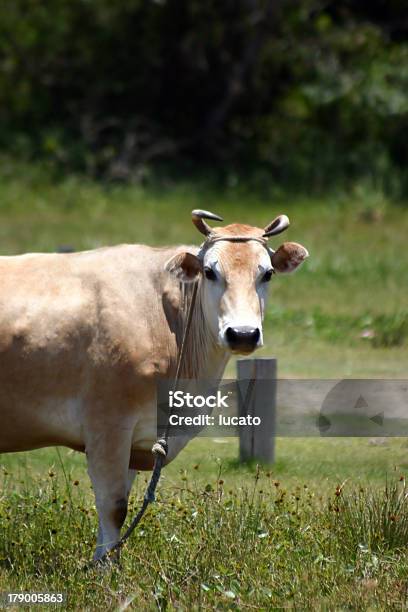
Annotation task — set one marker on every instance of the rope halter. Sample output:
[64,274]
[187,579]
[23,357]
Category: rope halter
[278,225]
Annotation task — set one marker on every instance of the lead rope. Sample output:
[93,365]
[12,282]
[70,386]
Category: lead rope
[160,447]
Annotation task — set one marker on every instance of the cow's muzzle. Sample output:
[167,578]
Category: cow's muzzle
[242,339]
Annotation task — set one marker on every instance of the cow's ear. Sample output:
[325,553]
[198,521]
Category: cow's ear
[184,266]
[288,257]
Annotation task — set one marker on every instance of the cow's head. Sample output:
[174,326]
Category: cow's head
[236,265]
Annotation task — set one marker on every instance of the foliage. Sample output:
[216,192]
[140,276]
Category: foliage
[304,94]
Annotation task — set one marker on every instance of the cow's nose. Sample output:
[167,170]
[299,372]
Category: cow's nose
[242,339]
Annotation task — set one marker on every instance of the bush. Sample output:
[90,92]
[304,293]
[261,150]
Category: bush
[311,96]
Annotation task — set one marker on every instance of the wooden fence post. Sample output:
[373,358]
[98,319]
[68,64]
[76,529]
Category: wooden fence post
[257,397]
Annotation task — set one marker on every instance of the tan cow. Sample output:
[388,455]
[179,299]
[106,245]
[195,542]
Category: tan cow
[84,337]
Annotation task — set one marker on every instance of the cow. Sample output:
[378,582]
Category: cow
[84,338]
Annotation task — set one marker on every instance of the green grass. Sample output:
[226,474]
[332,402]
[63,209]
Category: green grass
[318,462]
[242,543]
[311,532]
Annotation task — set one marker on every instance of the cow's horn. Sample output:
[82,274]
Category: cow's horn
[277,226]
[198,217]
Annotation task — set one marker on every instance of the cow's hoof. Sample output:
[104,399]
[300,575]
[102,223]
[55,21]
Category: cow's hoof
[104,564]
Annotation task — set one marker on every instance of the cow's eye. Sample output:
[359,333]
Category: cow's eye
[210,274]
[267,276]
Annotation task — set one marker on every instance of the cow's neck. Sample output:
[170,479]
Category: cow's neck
[204,357]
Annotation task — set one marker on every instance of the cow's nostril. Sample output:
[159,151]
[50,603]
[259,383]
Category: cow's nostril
[231,334]
[242,338]
[256,334]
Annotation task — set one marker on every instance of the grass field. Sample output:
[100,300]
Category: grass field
[222,535]
[325,528]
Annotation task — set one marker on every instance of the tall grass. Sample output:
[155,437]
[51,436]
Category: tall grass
[258,546]
[372,520]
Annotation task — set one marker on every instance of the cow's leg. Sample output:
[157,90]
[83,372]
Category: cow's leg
[130,479]
[108,461]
